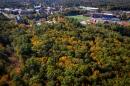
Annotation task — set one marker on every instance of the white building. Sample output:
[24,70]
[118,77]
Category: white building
[93,9]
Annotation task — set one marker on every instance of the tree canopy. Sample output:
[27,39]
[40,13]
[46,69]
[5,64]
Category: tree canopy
[64,53]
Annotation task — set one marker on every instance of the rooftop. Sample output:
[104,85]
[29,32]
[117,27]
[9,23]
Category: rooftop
[88,8]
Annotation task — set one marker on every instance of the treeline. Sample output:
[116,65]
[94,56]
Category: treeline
[107,4]
[11,5]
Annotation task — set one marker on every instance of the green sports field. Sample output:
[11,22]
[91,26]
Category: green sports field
[80,17]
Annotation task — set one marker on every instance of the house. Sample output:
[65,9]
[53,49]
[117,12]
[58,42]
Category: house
[7,10]
[49,10]
[16,11]
[37,6]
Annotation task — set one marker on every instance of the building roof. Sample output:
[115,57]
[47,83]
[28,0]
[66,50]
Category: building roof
[88,8]
[38,6]
[7,9]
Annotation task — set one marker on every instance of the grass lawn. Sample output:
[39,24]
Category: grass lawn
[80,17]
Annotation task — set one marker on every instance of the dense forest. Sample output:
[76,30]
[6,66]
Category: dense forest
[64,53]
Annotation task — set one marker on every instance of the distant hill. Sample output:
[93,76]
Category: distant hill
[109,4]
[96,2]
